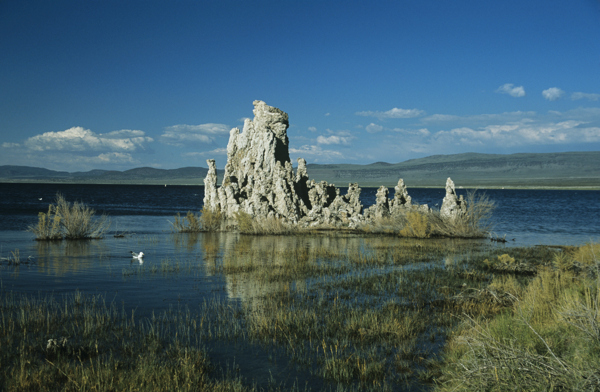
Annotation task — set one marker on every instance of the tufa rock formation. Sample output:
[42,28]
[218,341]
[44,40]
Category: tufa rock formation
[259,180]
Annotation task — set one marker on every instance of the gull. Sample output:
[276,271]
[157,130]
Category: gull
[138,256]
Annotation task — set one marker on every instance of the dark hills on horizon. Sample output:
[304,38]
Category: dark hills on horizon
[553,170]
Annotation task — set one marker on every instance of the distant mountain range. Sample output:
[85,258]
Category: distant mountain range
[553,170]
[141,175]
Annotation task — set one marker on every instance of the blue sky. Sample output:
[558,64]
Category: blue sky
[96,84]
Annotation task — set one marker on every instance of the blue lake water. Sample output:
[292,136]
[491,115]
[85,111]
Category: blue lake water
[177,268]
[531,217]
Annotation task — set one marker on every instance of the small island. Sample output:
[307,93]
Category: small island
[260,185]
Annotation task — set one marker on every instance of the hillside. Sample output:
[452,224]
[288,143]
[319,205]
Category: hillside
[142,175]
[570,169]
[554,170]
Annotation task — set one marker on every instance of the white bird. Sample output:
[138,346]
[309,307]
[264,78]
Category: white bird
[138,256]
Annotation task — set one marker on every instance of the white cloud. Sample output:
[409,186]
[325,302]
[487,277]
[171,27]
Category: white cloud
[588,96]
[478,119]
[80,139]
[334,139]
[216,151]
[393,113]
[374,128]
[418,132]
[512,90]
[183,134]
[315,153]
[10,145]
[312,129]
[112,158]
[553,93]
[521,134]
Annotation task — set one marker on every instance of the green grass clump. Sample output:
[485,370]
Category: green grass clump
[72,221]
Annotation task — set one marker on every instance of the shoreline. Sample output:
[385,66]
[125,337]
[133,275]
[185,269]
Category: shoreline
[187,182]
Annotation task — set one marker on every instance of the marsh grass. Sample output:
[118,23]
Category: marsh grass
[71,221]
[15,258]
[360,312]
[205,220]
[357,312]
[475,223]
[80,343]
[270,225]
[413,223]
[548,339]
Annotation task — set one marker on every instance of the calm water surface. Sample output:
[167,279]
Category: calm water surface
[178,270]
[143,213]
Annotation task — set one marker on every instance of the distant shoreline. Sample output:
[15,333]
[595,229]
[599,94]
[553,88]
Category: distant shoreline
[187,182]
[566,170]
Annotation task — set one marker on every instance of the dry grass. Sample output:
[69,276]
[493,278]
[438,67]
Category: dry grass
[206,220]
[263,226]
[418,224]
[475,223]
[69,221]
[548,340]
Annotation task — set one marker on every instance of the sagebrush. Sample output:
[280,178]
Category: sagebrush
[205,220]
[66,220]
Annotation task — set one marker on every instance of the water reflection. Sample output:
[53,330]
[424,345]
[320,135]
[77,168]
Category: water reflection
[62,257]
[258,266]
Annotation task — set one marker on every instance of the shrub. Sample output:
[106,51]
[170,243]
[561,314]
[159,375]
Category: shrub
[69,221]
[416,226]
[210,219]
[270,225]
[244,222]
[48,227]
[206,220]
[190,223]
[587,254]
[475,223]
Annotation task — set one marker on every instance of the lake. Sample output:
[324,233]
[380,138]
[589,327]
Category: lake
[186,270]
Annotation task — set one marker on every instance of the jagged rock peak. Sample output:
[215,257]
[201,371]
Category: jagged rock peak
[452,206]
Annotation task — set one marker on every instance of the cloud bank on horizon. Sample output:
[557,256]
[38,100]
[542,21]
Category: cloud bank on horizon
[86,89]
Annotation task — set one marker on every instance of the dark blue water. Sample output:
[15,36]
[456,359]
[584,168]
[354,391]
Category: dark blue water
[531,217]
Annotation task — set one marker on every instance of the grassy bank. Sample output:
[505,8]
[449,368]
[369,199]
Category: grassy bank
[547,339]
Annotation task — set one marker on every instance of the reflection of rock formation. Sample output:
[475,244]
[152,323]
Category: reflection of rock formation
[259,267]
[256,266]
[259,180]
